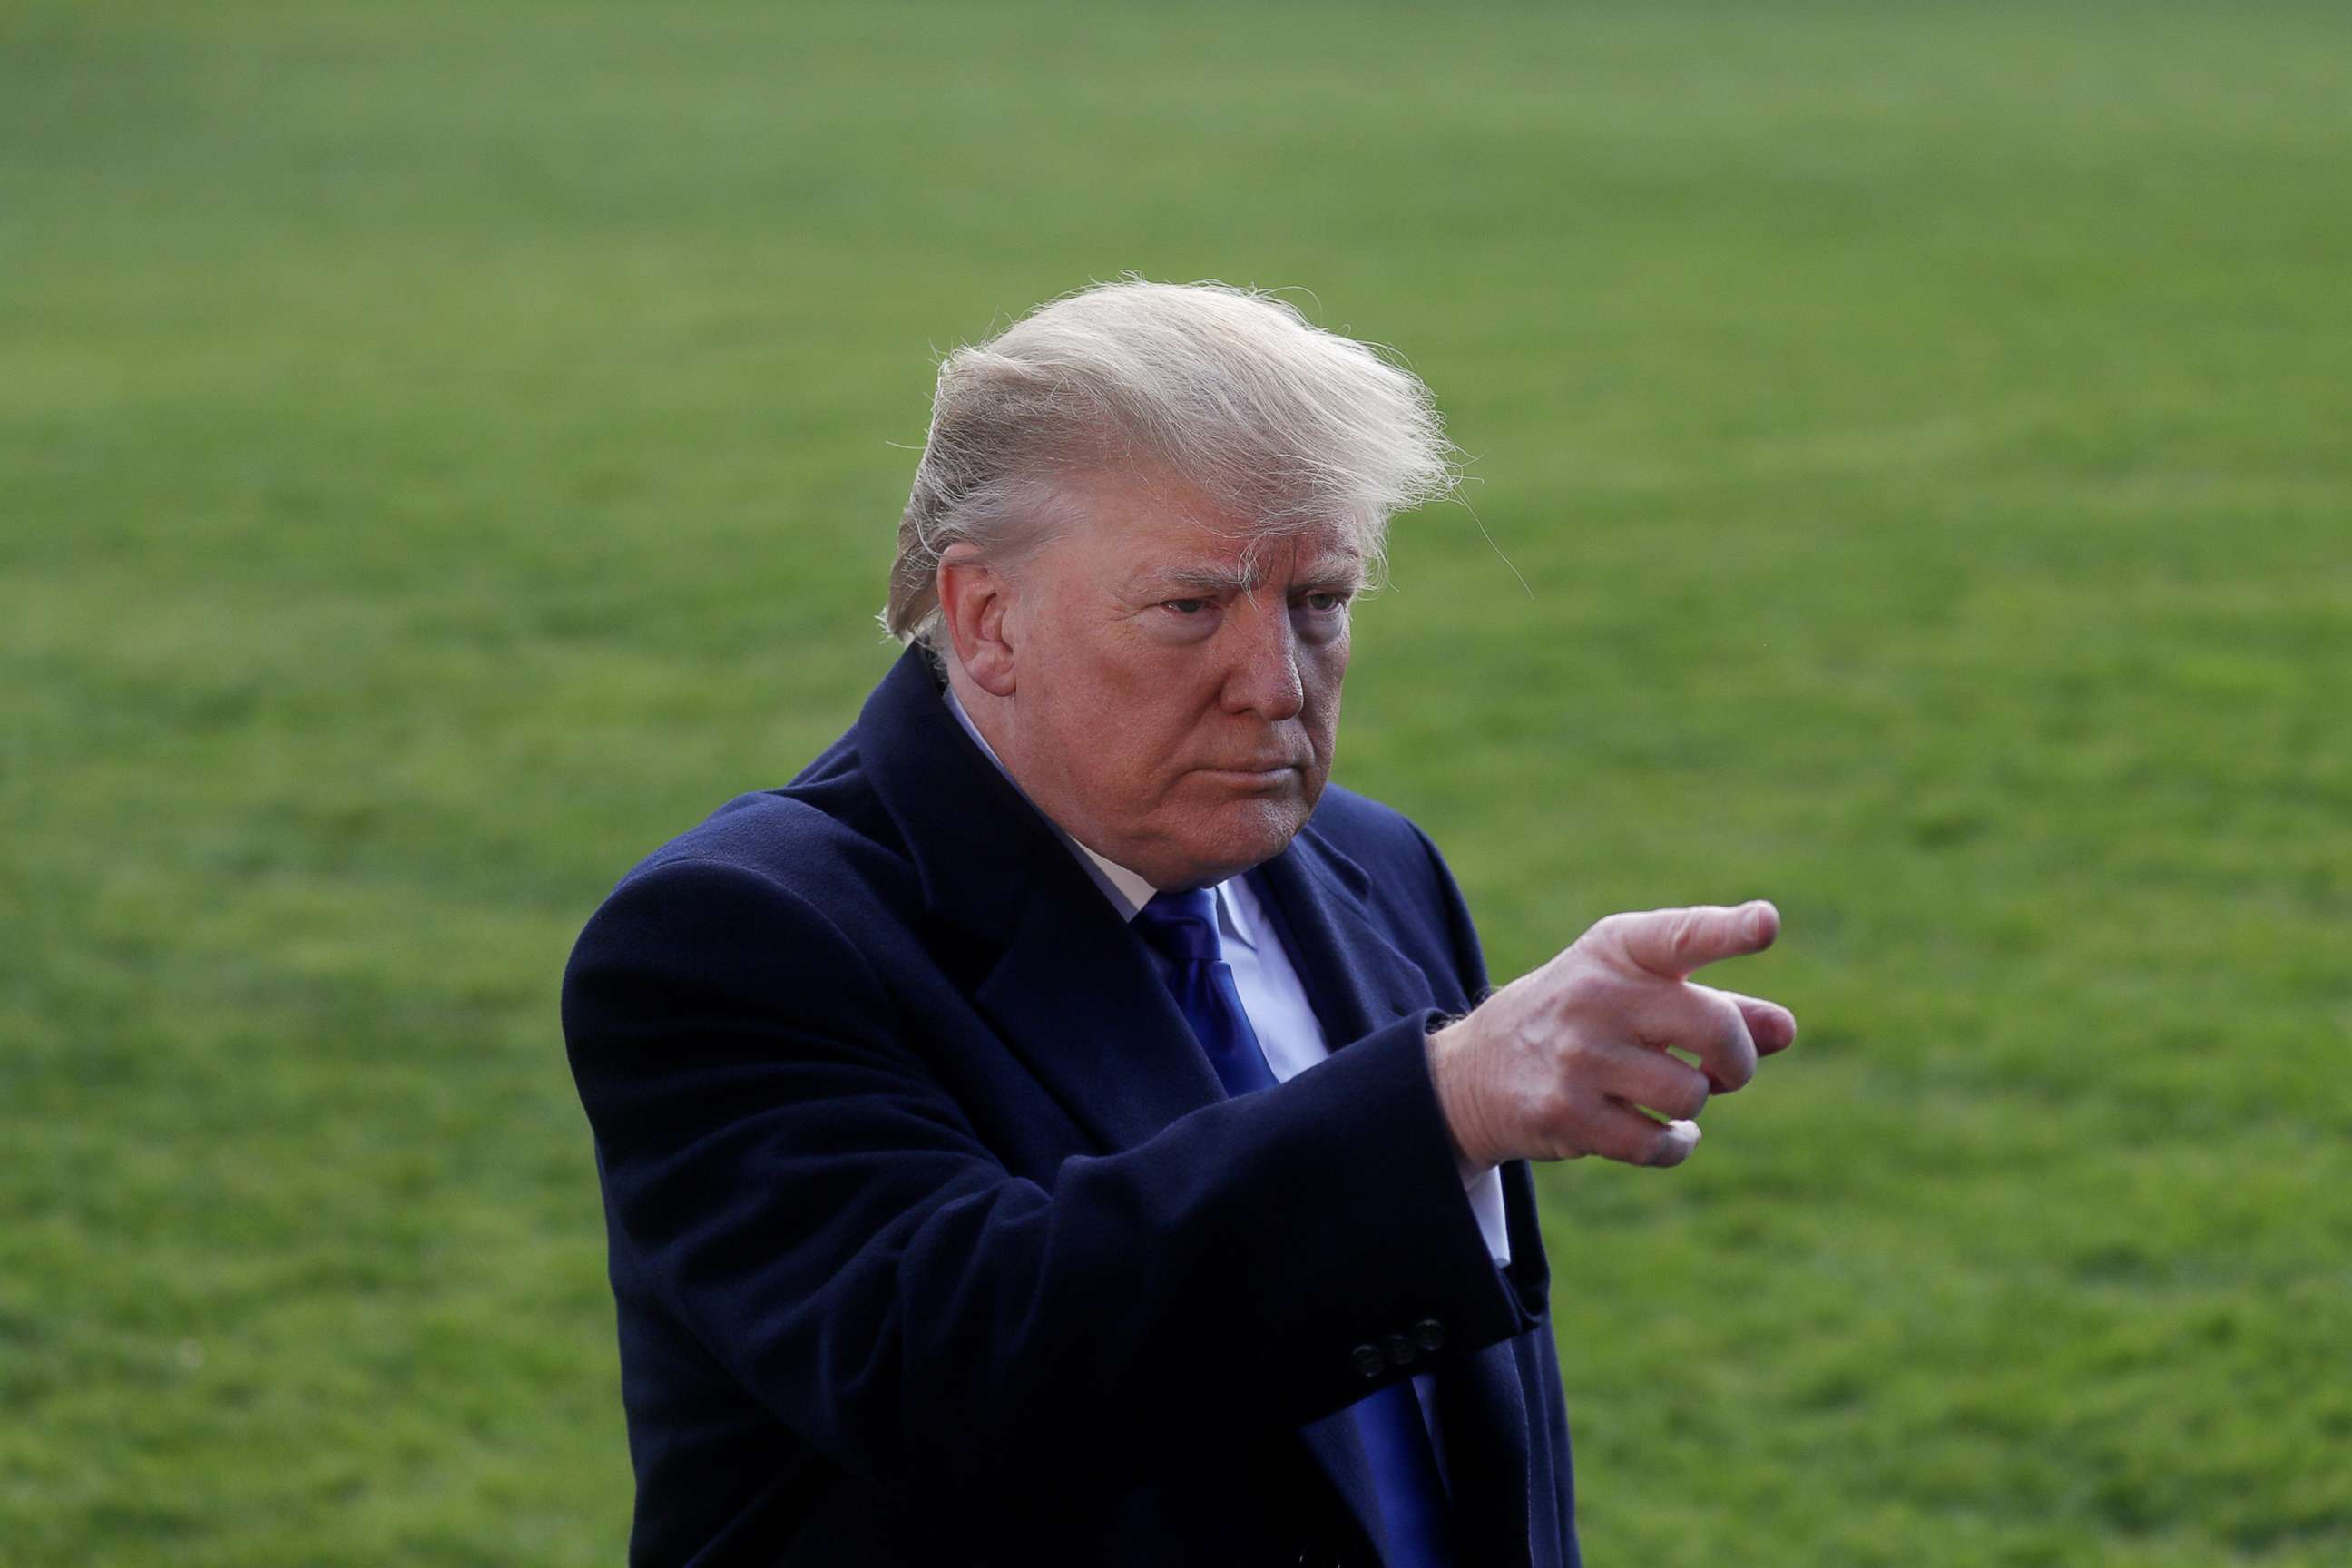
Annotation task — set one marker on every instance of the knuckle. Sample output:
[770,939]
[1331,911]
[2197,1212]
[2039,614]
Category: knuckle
[1687,932]
[1604,935]
[1739,1071]
[1584,992]
[1549,1113]
[1735,1051]
[1693,1098]
[1626,1145]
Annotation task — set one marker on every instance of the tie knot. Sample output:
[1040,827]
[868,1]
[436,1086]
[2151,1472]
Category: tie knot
[1182,926]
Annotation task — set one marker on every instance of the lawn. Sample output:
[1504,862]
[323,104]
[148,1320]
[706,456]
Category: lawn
[445,450]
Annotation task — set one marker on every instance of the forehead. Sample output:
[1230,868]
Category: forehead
[1134,534]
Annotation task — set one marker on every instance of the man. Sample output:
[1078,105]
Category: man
[1058,1129]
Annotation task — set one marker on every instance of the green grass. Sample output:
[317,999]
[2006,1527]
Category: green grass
[445,450]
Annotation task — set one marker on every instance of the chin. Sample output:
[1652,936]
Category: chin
[1250,832]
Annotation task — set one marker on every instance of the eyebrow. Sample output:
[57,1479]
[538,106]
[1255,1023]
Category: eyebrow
[1246,576]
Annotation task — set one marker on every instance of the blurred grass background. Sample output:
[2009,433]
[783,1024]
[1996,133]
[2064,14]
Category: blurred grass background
[445,450]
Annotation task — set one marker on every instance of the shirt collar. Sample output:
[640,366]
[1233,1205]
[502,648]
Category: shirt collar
[1237,912]
[1126,890]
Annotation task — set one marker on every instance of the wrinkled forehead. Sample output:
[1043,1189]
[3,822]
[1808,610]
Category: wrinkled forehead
[1173,533]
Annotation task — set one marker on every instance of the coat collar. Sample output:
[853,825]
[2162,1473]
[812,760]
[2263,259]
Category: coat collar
[979,849]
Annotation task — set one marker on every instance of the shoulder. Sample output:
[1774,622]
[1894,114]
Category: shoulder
[1379,838]
[1398,872]
[822,839]
[775,878]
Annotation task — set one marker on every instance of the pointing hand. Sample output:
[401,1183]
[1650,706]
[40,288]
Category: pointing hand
[1563,1061]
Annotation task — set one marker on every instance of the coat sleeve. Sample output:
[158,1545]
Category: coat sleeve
[803,1193]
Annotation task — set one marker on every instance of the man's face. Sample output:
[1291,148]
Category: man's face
[1177,686]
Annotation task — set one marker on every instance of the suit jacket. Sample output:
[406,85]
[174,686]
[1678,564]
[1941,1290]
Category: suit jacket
[935,1240]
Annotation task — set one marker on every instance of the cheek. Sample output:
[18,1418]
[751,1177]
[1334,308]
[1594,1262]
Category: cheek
[1154,698]
[1127,730]
[1322,674]
[1094,693]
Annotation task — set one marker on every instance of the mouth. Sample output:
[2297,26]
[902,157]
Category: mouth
[1253,774]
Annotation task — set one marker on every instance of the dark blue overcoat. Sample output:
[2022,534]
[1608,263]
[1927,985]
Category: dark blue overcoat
[935,1240]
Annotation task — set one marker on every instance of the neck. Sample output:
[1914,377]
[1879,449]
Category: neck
[1126,889]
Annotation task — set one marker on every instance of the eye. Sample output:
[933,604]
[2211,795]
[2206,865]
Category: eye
[1184,606]
[1324,602]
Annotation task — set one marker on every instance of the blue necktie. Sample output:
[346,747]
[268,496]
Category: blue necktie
[1181,928]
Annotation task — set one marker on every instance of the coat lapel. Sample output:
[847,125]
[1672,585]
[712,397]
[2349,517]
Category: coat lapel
[1113,1049]
[1356,980]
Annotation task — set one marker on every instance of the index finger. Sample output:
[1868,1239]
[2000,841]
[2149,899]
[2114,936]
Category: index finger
[1672,942]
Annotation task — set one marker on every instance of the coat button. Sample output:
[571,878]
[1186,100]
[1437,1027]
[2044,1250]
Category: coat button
[1399,1350]
[1369,1360]
[1429,1333]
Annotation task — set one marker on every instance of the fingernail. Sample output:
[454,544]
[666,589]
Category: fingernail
[1682,1136]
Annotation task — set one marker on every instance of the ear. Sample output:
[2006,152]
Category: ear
[973,598]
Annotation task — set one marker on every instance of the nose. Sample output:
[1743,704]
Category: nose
[1263,677]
